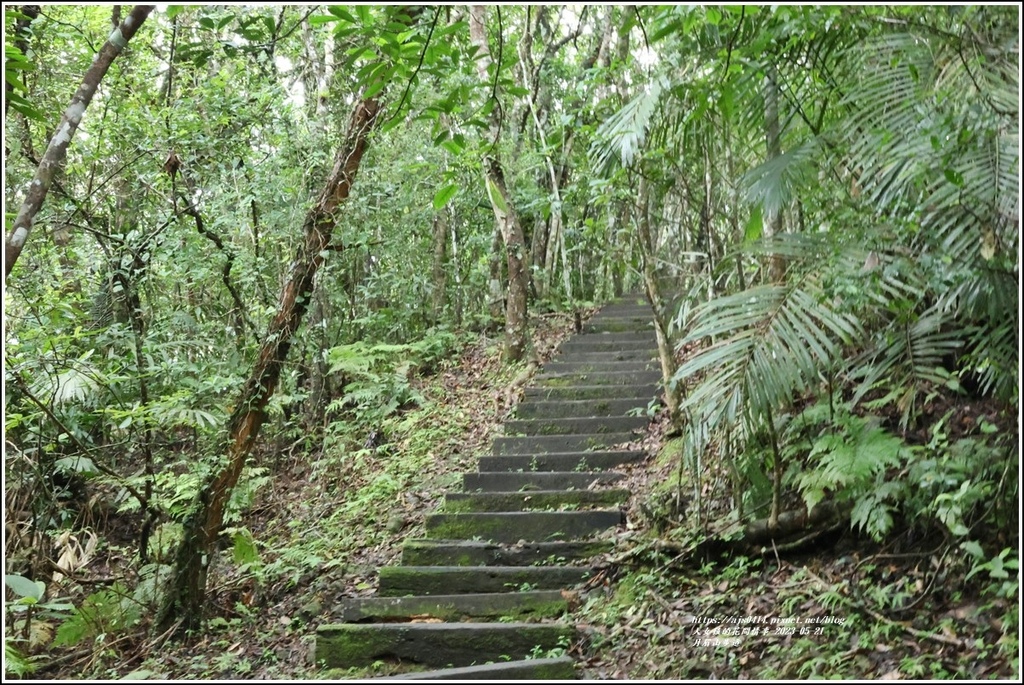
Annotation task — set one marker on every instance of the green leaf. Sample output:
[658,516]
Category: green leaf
[23,587]
[141,674]
[973,548]
[494,193]
[755,225]
[453,146]
[244,547]
[342,13]
[442,196]
[375,89]
[82,465]
[321,19]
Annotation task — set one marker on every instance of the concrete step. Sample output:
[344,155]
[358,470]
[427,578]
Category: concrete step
[592,344]
[513,481]
[608,378]
[638,299]
[396,581]
[559,443]
[623,311]
[610,323]
[571,425]
[529,669]
[531,526]
[518,605]
[562,668]
[634,355]
[456,502]
[538,409]
[581,367]
[640,391]
[476,553]
[621,340]
[434,644]
[562,461]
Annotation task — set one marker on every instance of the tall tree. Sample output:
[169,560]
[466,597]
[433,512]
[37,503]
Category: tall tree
[505,215]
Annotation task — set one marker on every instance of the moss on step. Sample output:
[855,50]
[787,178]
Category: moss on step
[436,644]
[532,501]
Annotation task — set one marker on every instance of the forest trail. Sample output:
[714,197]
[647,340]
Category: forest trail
[481,595]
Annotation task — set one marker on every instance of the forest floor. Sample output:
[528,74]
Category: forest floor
[843,608]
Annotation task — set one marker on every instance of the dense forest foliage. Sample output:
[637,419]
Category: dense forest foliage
[246,244]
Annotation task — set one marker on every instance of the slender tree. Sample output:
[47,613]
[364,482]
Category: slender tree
[56,151]
[505,215]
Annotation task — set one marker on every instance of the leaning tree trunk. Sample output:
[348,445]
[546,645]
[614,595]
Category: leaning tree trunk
[506,218]
[188,591]
[57,150]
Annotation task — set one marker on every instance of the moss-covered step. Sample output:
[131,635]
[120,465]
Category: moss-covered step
[610,342]
[637,338]
[396,581]
[630,311]
[567,365]
[518,605]
[512,481]
[605,342]
[512,526]
[434,644]
[610,378]
[620,324]
[540,409]
[537,444]
[579,426]
[562,668]
[643,392]
[561,461]
[643,353]
[476,553]
[455,502]
[638,301]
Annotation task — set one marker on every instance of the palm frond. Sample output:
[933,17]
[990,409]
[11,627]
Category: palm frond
[620,138]
[775,183]
[762,347]
[909,357]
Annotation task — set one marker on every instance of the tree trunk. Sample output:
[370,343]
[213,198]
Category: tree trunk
[440,278]
[773,140]
[776,265]
[648,251]
[516,334]
[506,218]
[56,151]
[188,591]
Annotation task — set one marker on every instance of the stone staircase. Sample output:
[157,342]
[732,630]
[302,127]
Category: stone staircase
[482,593]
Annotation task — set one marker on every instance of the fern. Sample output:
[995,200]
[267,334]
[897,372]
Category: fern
[848,460]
